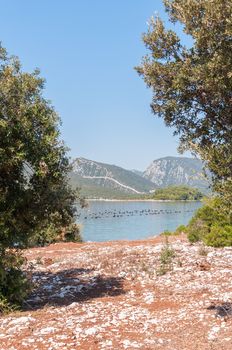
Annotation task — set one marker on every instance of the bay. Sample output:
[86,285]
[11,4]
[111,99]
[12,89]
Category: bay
[128,220]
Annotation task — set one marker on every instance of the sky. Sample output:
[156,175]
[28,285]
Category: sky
[87,50]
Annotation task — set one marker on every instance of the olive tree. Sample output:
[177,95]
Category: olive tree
[36,202]
[192,85]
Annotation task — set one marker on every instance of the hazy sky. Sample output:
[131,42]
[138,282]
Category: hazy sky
[87,50]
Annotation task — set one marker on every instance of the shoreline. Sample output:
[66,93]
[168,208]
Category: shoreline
[139,200]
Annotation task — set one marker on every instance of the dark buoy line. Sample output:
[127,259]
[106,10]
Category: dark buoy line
[122,213]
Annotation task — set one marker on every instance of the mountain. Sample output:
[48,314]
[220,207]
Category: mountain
[138,172]
[169,171]
[100,180]
[109,181]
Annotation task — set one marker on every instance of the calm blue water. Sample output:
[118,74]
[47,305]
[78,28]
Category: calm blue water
[107,221]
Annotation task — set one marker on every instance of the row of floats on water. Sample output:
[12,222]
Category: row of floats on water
[121,213]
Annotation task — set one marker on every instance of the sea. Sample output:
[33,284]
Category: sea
[130,220]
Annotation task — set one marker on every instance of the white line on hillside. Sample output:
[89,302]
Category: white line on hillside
[111,179]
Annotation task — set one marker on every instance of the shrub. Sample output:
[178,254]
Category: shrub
[166,256]
[219,236]
[211,225]
[180,229]
[167,233]
[196,230]
[5,306]
[202,251]
[14,285]
[52,234]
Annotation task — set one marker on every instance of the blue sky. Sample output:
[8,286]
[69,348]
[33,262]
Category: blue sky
[87,50]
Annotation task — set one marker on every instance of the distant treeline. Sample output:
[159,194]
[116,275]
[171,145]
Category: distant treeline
[177,193]
[167,193]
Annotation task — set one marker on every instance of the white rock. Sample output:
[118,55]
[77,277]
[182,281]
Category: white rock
[91,331]
[148,298]
[47,330]
[22,320]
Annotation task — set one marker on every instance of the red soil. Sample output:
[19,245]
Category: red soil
[113,295]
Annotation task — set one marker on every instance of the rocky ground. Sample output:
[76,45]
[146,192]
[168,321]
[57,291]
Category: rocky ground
[125,295]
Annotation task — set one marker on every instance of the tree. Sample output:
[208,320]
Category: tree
[36,202]
[192,86]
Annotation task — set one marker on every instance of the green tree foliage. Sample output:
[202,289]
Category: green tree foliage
[192,86]
[211,225]
[37,204]
[177,193]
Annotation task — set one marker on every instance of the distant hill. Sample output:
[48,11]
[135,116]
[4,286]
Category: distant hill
[108,181]
[101,180]
[171,171]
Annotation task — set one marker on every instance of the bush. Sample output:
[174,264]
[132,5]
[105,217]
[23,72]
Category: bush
[211,225]
[52,234]
[202,251]
[5,306]
[167,233]
[219,236]
[197,229]
[180,229]
[166,256]
[14,285]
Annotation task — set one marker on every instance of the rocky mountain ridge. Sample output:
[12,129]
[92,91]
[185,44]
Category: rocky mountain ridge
[169,171]
[107,181]
[100,177]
